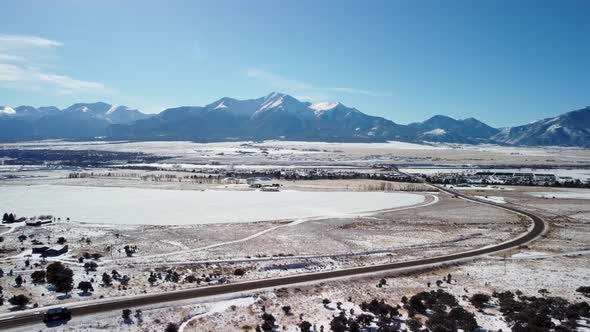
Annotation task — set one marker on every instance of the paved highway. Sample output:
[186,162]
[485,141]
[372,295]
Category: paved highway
[19,319]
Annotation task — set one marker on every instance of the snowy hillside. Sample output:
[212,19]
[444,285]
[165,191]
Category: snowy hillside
[569,129]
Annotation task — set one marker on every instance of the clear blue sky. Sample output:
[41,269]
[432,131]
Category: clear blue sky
[504,62]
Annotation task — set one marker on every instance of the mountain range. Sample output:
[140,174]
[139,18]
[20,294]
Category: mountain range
[275,116]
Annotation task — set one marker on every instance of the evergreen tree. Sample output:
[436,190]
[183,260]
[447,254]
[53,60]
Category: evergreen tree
[126,314]
[18,280]
[61,277]
[106,279]
[85,286]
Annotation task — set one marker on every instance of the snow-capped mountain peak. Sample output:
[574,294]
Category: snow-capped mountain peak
[284,103]
[323,106]
[272,103]
[274,95]
[116,108]
[273,100]
[98,108]
[7,110]
[220,105]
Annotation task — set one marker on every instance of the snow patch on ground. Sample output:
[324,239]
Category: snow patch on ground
[493,199]
[541,255]
[563,195]
[529,254]
[218,307]
[477,187]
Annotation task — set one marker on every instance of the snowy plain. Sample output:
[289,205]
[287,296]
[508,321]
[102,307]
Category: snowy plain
[570,194]
[184,207]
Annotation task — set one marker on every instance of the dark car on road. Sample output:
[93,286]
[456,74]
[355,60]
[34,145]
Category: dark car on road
[57,314]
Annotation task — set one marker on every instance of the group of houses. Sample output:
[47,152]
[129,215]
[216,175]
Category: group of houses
[507,178]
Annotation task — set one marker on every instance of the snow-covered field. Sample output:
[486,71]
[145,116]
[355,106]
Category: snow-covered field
[183,207]
[285,153]
[225,147]
[563,194]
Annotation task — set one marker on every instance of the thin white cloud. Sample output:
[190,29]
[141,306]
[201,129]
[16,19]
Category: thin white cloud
[27,63]
[10,72]
[360,92]
[23,41]
[306,90]
[10,58]
[67,82]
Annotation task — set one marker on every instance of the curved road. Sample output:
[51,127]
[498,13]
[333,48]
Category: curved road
[19,319]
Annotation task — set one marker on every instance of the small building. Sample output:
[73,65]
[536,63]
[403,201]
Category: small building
[37,222]
[39,249]
[272,188]
[53,251]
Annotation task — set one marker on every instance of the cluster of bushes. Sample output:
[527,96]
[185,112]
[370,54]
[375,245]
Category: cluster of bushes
[174,277]
[56,274]
[540,313]
[10,218]
[107,280]
[584,290]
[446,314]
[96,256]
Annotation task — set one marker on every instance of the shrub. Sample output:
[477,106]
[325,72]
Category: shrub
[287,310]
[19,300]
[171,327]
[479,300]
[584,290]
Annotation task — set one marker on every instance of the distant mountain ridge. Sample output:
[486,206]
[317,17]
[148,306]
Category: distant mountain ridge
[274,116]
[441,128]
[79,121]
[569,129]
